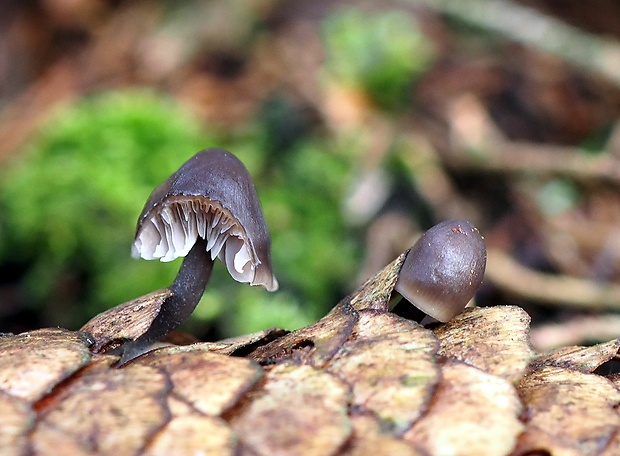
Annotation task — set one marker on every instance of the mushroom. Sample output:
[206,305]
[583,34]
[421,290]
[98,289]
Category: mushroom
[207,209]
[444,269]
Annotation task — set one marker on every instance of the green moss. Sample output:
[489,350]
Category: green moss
[382,53]
[69,204]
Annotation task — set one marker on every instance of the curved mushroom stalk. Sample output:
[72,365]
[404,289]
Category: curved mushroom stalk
[187,289]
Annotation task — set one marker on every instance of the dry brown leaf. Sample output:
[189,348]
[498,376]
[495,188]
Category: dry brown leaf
[493,339]
[389,364]
[210,382]
[577,410]
[125,322]
[32,363]
[17,421]
[471,413]
[298,410]
[583,359]
[104,411]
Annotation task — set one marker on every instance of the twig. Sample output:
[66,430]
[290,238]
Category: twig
[476,143]
[520,157]
[577,330]
[557,290]
[533,28]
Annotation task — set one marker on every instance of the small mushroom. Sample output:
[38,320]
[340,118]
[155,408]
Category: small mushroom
[207,209]
[444,269]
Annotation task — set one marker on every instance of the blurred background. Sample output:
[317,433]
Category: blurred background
[363,124]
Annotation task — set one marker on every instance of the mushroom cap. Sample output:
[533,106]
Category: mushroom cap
[212,195]
[444,269]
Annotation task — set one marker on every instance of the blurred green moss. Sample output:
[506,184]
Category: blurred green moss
[69,202]
[380,52]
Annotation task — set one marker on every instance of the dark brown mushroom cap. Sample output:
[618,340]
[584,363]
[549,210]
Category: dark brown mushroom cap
[212,196]
[444,269]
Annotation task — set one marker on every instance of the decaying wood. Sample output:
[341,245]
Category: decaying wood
[125,322]
[360,381]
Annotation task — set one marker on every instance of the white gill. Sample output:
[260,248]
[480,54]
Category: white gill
[171,233]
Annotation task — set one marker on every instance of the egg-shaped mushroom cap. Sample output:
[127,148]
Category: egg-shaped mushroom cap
[444,269]
[212,195]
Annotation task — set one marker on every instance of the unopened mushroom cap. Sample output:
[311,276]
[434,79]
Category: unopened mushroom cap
[212,195]
[444,269]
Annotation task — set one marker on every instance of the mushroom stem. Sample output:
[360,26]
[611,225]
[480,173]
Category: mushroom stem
[191,280]
[187,289]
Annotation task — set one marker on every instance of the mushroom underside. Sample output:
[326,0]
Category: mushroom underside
[172,228]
